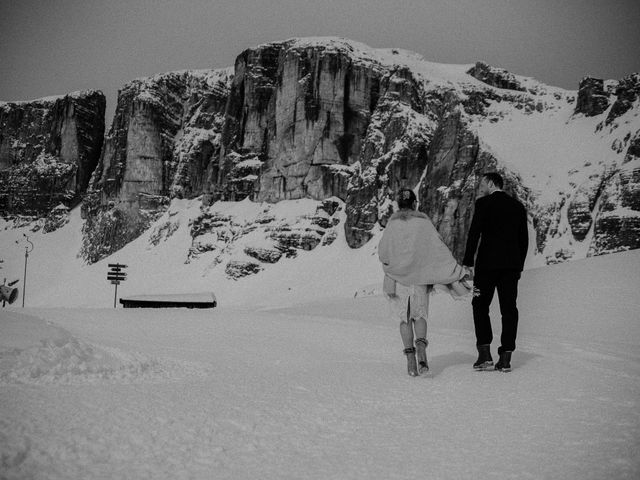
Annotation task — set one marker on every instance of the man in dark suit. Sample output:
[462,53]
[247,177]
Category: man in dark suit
[499,224]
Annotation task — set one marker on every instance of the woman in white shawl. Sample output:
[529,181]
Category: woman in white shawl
[415,260]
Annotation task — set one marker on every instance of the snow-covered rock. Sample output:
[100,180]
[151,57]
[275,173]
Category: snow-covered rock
[592,98]
[496,77]
[49,148]
[255,235]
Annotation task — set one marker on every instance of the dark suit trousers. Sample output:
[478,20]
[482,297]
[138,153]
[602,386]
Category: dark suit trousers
[485,283]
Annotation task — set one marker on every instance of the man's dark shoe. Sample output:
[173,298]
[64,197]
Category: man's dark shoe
[504,364]
[484,361]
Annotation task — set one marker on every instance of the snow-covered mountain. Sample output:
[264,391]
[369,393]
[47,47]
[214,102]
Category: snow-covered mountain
[336,126]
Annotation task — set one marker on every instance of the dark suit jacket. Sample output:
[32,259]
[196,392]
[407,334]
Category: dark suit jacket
[500,225]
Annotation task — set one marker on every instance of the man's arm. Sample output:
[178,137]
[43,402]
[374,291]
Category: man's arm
[474,235]
[523,234]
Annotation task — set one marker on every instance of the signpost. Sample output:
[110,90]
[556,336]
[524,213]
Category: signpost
[116,275]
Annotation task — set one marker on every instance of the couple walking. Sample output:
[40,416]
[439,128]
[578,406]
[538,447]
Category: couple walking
[415,260]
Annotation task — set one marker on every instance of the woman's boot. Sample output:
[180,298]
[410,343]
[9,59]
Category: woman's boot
[412,367]
[421,351]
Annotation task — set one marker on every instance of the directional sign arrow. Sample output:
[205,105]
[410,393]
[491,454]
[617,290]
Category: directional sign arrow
[115,269]
[117,265]
[115,282]
[115,277]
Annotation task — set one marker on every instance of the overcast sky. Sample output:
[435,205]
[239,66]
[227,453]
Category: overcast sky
[52,47]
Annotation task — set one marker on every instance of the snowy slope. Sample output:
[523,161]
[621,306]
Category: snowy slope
[319,389]
[158,262]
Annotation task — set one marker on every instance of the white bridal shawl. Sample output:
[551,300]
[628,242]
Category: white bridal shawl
[413,253]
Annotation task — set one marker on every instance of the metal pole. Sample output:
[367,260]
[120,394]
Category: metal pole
[24,283]
[26,256]
[115,296]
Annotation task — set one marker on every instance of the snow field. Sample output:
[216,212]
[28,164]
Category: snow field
[319,390]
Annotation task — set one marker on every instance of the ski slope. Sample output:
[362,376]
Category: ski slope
[319,390]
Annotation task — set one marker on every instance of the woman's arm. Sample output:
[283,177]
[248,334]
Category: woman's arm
[389,286]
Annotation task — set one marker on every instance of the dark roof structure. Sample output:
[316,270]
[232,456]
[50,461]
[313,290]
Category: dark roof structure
[186,300]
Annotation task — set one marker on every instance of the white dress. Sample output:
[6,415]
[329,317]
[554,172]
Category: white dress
[408,302]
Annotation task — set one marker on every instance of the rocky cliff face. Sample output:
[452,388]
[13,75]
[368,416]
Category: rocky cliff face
[165,133]
[617,221]
[321,118]
[48,151]
[607,203]
[302,111]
